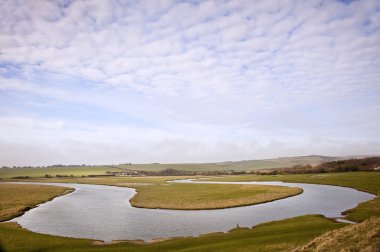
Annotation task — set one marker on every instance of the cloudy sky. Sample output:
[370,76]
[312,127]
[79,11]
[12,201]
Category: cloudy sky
[102,82]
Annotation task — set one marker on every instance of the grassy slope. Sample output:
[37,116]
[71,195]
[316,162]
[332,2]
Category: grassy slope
[207,196]
[245,165]
[273,236]
[237,166]
[16,199]
[361,237]
[70,170]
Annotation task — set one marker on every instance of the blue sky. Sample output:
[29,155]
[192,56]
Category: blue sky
[102,82]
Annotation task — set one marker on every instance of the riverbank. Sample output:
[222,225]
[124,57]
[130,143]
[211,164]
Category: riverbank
[17,199]
[207,196]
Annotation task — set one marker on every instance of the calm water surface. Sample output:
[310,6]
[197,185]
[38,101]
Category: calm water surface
[104,213]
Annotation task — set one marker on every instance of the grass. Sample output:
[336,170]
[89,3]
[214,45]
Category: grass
[207,196]
[53,171]
[16,199]
[274,236]
[361,237]
[364,210]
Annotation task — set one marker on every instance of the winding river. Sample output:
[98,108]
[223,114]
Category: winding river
[104,212]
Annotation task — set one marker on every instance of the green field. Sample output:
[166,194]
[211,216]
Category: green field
[76,171]
[207,196]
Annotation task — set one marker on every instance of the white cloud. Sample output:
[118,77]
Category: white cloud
[271,67]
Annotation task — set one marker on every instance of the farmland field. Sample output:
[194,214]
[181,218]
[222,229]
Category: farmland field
[53,171]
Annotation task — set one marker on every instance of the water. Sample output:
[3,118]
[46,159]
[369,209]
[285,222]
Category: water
[104,213]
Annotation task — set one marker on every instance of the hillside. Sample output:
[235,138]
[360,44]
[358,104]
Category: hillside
[103,170]
[245,165]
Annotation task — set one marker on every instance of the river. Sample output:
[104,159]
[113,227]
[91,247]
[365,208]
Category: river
[104,213]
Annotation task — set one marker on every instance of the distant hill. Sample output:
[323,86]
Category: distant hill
[245,165]
[237,166]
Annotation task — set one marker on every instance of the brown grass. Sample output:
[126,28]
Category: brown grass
[364,236]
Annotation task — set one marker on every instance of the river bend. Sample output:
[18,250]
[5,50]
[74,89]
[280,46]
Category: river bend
[104,212]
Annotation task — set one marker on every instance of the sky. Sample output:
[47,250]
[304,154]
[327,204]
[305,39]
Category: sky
[108,82]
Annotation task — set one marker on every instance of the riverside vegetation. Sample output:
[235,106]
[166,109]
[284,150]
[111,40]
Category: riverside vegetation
[282,235]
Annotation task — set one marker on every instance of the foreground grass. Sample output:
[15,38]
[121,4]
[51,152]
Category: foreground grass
[361,237]
[207,196]
[16,199]
[274,236]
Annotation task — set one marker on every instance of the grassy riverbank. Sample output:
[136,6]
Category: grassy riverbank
[16,199]
[361,237]
[274,236]
[207,196]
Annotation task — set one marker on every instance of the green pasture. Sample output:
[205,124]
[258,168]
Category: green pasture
[76,171]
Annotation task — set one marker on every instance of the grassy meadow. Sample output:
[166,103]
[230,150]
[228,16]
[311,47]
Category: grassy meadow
[16,199]
[77,171]
[207,196]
